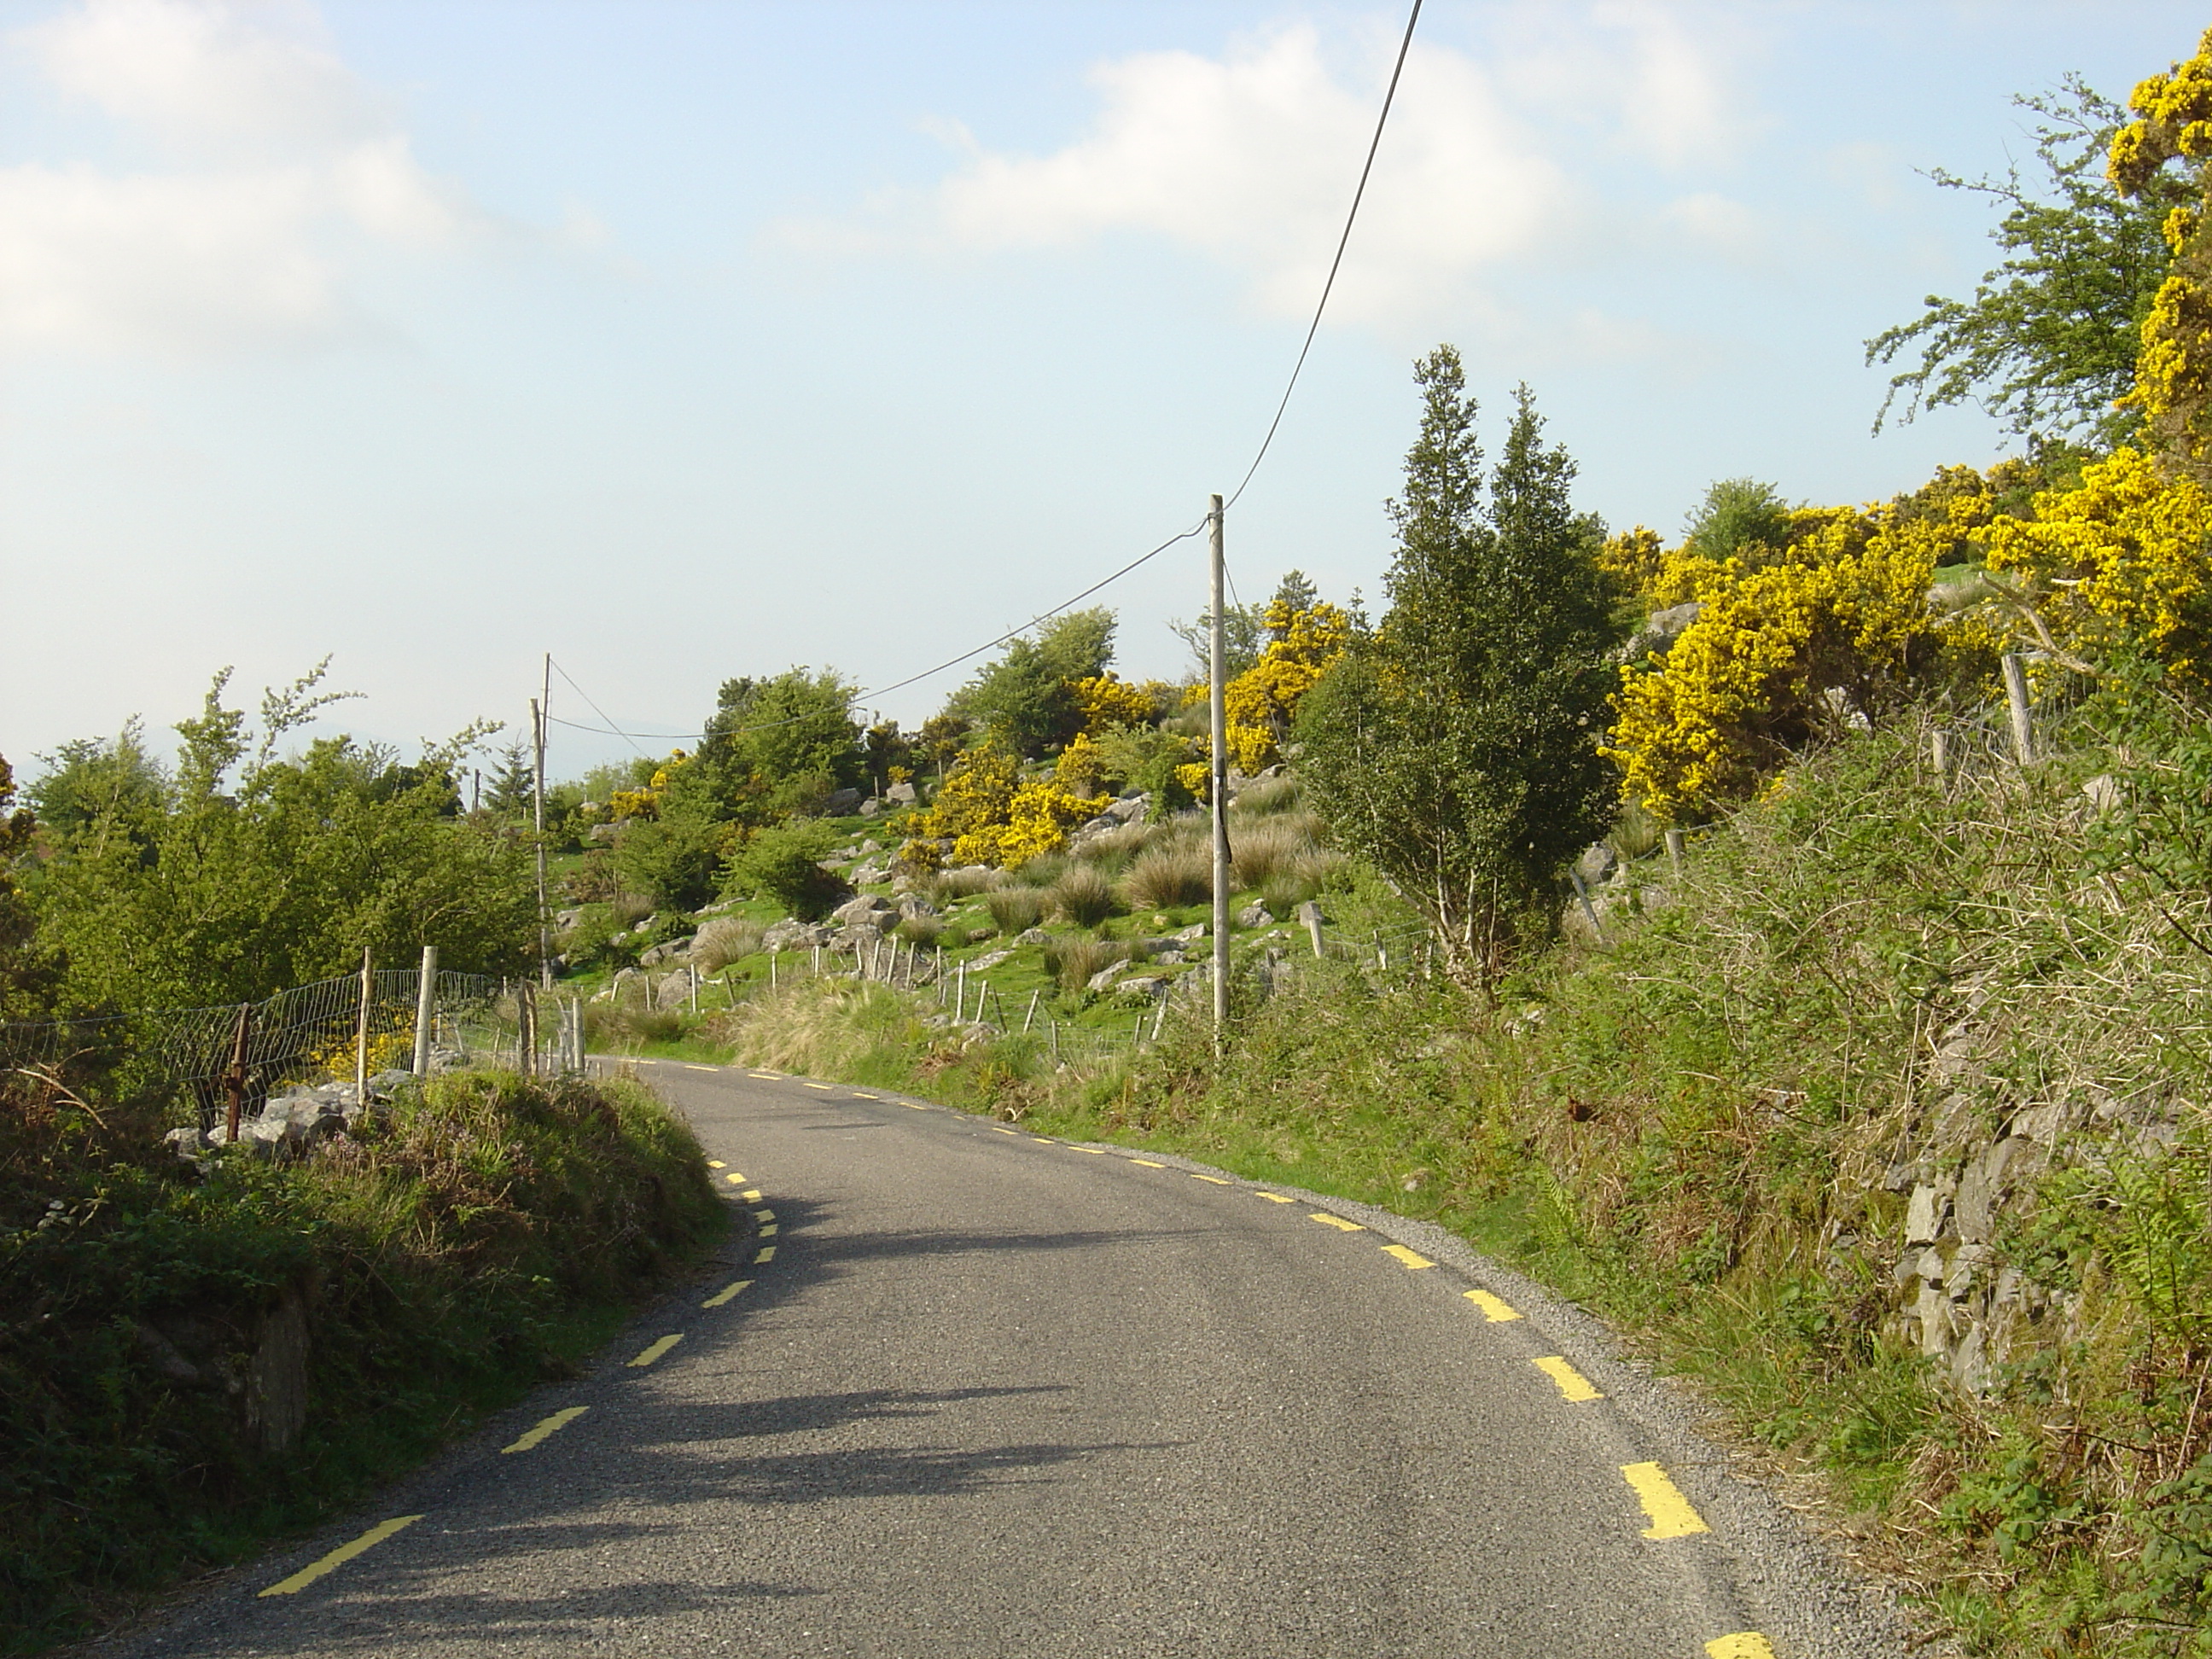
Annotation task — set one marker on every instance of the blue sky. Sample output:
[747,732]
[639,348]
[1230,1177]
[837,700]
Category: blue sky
[686,340]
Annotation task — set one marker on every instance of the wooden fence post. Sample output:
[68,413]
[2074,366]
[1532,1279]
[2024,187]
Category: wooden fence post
[426,1004]
[2023,726]
[236,1076]
[361,1029]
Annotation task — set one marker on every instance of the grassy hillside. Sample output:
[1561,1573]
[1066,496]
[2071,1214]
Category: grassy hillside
[161,1333]
[1884,1119]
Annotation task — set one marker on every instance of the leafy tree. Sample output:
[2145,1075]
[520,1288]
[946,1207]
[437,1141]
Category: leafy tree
[1244,631]
[1027,701]
[887,749]
[943,737]
[783,863]
[778,746]
[2049,341]
[1455,745]
[2172,388]
[514,783]
[1739,517]
[87,783]
[258,873]
[24,980]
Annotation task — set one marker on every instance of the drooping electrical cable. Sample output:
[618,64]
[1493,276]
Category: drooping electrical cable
[1282,406]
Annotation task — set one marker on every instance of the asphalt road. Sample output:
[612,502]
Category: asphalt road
[982,1393]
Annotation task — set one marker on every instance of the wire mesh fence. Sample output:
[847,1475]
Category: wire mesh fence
[301,1036]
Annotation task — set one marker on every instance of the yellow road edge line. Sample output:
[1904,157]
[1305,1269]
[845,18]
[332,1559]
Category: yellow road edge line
[338,1556]
[751,1195]
[724,1293]
[1044,1140]
[716,1163]
[1215,1181]
[560,1420]
[1274,1198]
[1146,1163]
[1496,1311]
[1744,1645]
[826,1088]
[657,1349]
[1095,1151]
[767,1076]
[764,1215]
[916,1104]
[766,1253]
[1573,1385]
[859,1094]
[1001,1128]
[1337,1222]
[689,1066]
[1669,1512]
[734,1178]
[1413,1259]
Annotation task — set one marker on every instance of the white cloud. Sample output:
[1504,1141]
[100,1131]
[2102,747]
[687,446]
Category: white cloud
[277,169]
[1251,158]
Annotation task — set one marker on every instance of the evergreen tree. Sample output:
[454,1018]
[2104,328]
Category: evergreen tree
[1455,746]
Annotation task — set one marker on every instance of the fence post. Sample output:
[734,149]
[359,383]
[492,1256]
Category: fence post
[1030,1018]
[2023,728]
[1674,851]
[526,1024]
[361,1029]
[1939,755]
[426,1002]
[236,1079]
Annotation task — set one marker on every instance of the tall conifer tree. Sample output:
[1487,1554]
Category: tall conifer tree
[1455,745]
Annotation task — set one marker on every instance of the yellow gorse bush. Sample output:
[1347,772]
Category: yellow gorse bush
[1107,700]
[2173,371]
[1750,679]
[993,816]
[1081,765]
[2121,557]
[1262,701]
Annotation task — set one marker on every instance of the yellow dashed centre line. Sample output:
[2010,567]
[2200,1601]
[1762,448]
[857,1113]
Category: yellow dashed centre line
[1002,1129]
[768,1232]
[1669,1512]
[1573,1385]
[825,1087]
[338,1556]
[859,1094]
[689,1066]
[1213,1180]
[1337,1222]
[766,1077]
[916,1104]
[767,1253]
[552,1425]
[1095,1151]
[1413,1259]
[1495,1311]
[725,1294]
[657,1349]
[764,1215]
[1044,1140]
[1146,1163]
[1274,1198]
[1744,1645]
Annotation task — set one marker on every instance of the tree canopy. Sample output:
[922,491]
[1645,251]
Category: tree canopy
[1455,745]
[2049,341]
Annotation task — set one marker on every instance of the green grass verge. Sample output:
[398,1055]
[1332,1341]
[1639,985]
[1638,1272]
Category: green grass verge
[485,1235]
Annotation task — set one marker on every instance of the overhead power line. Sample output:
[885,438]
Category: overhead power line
[1282,406]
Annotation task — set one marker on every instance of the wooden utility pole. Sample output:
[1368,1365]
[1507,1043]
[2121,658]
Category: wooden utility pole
[425,1009]
[1217,699]
[538,707]
[361,1029]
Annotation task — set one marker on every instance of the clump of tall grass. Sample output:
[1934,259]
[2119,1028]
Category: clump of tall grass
[724,940]
[629,1025]
[1263,796]
[1175,872]
[1039,873]
[1015,909]
[1271,849]
[1117,846]
[950,886]
[1082,895]
[925,931]
[1074,961]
